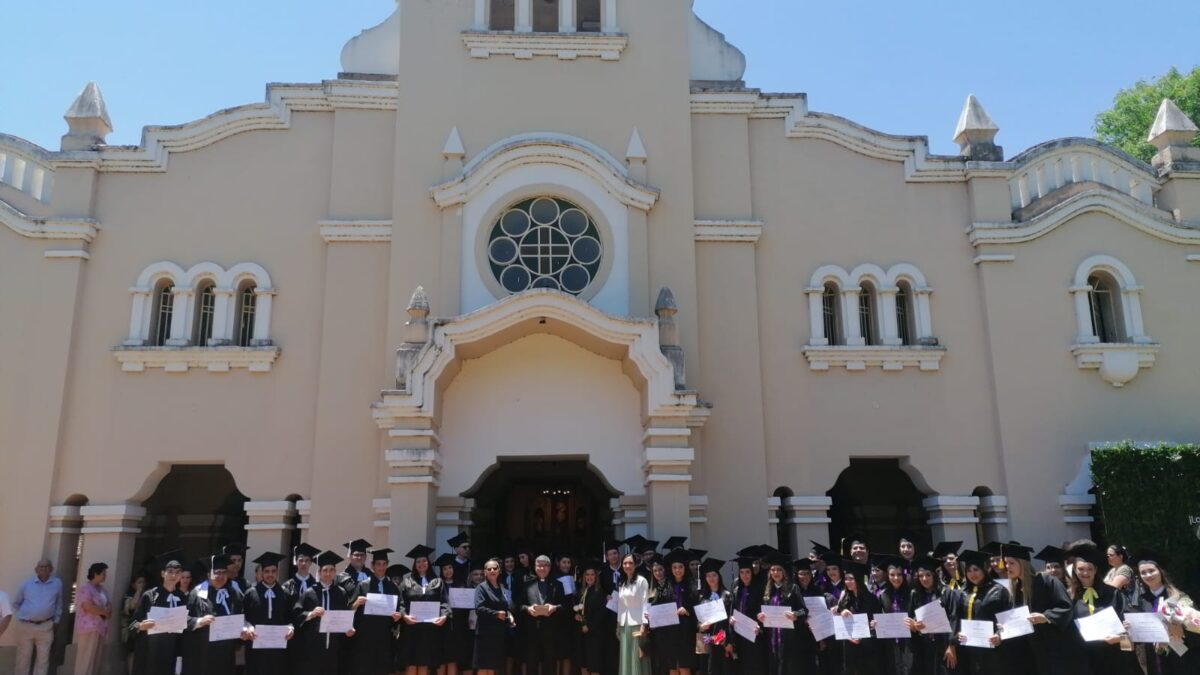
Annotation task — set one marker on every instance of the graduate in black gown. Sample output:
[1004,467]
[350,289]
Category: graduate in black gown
[303,578]
[236,553]
[207,601]
[422,643]
[746,598]
[157,654]
[781,645]
[268,604]
[950,573]
[374,640]
[1157,594]
[718,636]
[810,649]
[321,652]
[982,598]
[896,656]
[569,644]
[1049,612]
[458,639]
[937,653]
[859,657]
[1090,595]
[830,658]
[675,646]
[597,624]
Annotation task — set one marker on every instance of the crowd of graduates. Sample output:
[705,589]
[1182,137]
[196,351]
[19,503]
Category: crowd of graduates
[529,614]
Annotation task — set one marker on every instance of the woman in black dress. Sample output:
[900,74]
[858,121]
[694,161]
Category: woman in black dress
[156,654]
[1049,612]
[568,629]
[458,640]
[781,644]
[747,599]
[422,644]
[982,598]
[1090,595]
[494,617]
[937,653]
[718,637]
[321,652]
[859,657]
[597,624]
[1158,594]
[896,654]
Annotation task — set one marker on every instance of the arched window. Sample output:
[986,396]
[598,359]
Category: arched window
[206,303]
[905,316]
[831,307]
[587,16]
[244,314]
[162,312]
[867,322]
[1104,301]
[503,15]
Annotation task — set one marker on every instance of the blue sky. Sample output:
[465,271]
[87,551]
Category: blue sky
[1043,69]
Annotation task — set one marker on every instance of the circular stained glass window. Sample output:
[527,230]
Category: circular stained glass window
[545,243]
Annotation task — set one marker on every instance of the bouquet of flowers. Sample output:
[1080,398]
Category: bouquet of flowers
[716,639]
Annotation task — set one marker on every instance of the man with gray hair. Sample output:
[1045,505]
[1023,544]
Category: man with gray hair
[543,597]
[38,606]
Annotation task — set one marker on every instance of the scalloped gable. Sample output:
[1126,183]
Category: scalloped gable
[376,50]
[712,57]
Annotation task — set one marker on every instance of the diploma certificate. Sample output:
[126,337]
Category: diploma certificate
[711,612]
[226,628]
[270,637]
[776,617]
[663,615]
[1146,628]
[892,626]
[337,621]
[462,598]
[744,626]
[977,633]
[1100,626]
[379,604]
[933,615]
[1014,623]
[425,612]
[856,627]
[167,619]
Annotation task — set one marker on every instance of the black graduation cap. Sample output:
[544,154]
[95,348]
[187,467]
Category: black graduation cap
[712,565]
[906,535]
[991,548]
[850,541]
[758,551]
[832,559]
[218,561]
[327,558]
[776,558]
[198,569]
[459,539]
[1015,550]
[859,571]
[594,565]
[397,571]
[884,562]
[444,560]
[980,559]
[745,562]
[674,543]
[307,550]
[1054,554]
[169,558]
[947,548]
[235,548]
[1085,552]
[802,565]
[357,546]
[696,554]
[1152,557]
[818,548]
[419,551]
[679,555]
[380,554]
[269,559]
[638,544]
[927,564]
[611,545]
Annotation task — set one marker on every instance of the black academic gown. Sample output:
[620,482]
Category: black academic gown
[541,632]
[268,607]
[373,642]
[599,642]
[155,654]
[458,636]
[861,658]
[422,643]
[296,588]
[896,656]
[201,657]
[983,604]
[929,651]
[751,659]
[1049,597]
[675,646]
[321,653]
[1101,658]
[716,662]
[1162,660]
[782,646]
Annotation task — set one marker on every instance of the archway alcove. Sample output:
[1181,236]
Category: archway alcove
[196,509]
[556,504]
[878,500]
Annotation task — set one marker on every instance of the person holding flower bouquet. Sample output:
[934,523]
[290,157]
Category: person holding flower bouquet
[715,637]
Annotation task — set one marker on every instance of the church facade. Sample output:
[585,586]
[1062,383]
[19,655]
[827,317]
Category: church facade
[551,271]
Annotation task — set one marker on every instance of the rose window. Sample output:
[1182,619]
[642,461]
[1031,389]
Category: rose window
[545,243]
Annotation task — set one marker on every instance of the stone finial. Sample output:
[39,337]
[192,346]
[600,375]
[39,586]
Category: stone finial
[454,146]
[636,149]
[668,334]
[975,133]
[418,306]
[665,305]
[87,120]
[1171,128]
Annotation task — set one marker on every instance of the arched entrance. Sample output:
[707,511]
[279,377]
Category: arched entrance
[549,505]
[876,499]
[196,509]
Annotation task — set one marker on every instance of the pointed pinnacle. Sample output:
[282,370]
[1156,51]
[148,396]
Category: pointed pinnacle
[974,124]
[665,303]
[1171,126]
[454,146]
[89,105]
[418,306]
[636,149]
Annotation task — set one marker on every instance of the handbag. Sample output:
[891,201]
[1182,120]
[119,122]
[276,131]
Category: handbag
[702,647]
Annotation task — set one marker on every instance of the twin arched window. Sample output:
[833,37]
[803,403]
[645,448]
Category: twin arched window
[870,307]
[205,306]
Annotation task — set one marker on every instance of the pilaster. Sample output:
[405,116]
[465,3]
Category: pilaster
[629,516]
[953,518]
[807,519]
[1077,515]
[667,464]
[109,534]
[414,470]
[269,526]
[993,517]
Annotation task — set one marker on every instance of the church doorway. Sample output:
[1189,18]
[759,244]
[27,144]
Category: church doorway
[558,505]
[877,500]
[196,509]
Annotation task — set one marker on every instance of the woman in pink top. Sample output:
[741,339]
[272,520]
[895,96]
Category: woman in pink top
[91,621]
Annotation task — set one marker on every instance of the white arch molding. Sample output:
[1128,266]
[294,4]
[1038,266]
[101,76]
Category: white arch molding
[226,284]
[887,285]
[1118,363]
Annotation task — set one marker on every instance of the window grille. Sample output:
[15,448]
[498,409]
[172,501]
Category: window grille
[245,315]
[164,304]
[205,310]
[831,307]
[866,316]
[904,314]
[545,243]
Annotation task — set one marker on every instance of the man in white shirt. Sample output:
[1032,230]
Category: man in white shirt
[5,613]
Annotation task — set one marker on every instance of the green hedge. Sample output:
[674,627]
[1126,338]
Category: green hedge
[1147,497]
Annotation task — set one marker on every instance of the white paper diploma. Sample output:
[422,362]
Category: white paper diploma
[711,612]
[226,628]
[892,626]
[856,627]
[167,620]
[820,619]
[270,637]
[977,633]
[1147,628]
[933,615]
[337,621]
[1014,623]
[1100,626]
[379,604]
[568,584]
[663,615]
[462,598]
[425,612]
[776,617]
[744,626]
[611,605]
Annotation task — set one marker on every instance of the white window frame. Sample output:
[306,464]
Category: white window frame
[567,43]
[1118,362]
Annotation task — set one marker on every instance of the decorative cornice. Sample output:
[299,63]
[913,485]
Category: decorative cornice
[861,358]
[347,231]
[565,46]
[1118,363]
[1121,207]
[994,258]
[1194,257]
[736,231]
[181,359]
[63,229]
[69,254]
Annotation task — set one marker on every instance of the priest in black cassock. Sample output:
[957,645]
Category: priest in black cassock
[321,652]
[156,654]
[207,601]
[374,643]
[268,604]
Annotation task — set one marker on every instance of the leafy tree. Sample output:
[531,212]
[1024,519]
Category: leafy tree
[1127,124]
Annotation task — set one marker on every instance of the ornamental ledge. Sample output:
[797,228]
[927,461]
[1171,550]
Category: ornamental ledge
[1118,363]
[356,231]
[183,359]
[891,359]
[564,46]
[736,231]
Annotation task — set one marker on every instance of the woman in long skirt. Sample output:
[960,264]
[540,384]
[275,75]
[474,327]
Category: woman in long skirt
[633,593]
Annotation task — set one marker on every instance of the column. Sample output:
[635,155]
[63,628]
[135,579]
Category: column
[303,516]
[816,317]
[109,533]
[223,317]
[924,318]
[807,519]
[181,314]
[137,317]
[1077,515]
[524,18]
[953,518]
[566,16]
[413,479]
[993,518]
[887,307]
[854,336]
[269,526]
[481,15]
[608,18]
[453,516]
[629,516]
[667,464]
[1084,334]
[383,518]
[262,317]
